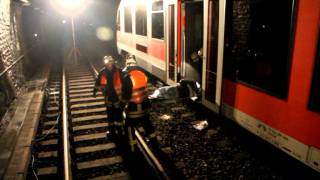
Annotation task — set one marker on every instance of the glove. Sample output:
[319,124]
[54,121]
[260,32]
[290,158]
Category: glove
[95,89]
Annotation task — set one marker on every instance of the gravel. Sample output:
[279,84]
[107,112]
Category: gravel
[221,150]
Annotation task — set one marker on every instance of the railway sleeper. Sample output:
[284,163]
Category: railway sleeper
[90,131]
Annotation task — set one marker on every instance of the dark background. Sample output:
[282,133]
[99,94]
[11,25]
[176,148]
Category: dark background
[55,38]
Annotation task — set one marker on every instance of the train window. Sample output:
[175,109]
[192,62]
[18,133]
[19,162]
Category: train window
[157,25]
[157,20]
[127,19]
[141,20]
[157,6]
[314,101]
[258,43]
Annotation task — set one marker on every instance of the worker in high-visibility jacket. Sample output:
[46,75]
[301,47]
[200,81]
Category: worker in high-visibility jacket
[135,84]
[109,81]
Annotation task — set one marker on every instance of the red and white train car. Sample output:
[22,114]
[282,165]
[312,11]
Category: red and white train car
[258,61]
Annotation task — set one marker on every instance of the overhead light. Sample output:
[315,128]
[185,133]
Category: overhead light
[70,7]
[25,2]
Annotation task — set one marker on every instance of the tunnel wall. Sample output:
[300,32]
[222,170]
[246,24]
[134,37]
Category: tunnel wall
[11,49]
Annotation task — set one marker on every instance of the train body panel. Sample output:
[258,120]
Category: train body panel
[150,51]
[188,48]
[291,117]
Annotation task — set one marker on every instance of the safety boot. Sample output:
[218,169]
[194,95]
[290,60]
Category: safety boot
[111,132]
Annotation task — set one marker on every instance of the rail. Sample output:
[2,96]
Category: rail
[17,60]
[9,67]
[66,144]
[146,151]
[151,158]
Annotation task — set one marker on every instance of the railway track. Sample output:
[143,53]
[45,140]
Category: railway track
[46,156]
[94,154]
[79,148]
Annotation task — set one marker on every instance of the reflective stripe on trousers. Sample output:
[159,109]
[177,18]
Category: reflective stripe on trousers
[132,141]
[118,123]
[138,113]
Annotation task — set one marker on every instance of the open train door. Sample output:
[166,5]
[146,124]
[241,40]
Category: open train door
[192,33]
[213,34]
[171,43]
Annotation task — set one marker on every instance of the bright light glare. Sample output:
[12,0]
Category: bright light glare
[104,33]
[133,2]
[64,21]
[69,7]
[35,35]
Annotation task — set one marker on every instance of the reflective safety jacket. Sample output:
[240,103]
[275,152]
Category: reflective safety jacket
[135,91]
[112,91]
[139,86]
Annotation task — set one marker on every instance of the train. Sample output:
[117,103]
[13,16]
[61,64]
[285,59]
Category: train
[258,62]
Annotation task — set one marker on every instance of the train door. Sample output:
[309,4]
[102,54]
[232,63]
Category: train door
[214,18]
[171,43]
[193,40]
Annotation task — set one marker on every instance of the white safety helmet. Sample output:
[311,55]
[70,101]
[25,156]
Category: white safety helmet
[130,61]
[108,59]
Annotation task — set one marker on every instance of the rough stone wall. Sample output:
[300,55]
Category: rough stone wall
[10,50]
[9,43]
